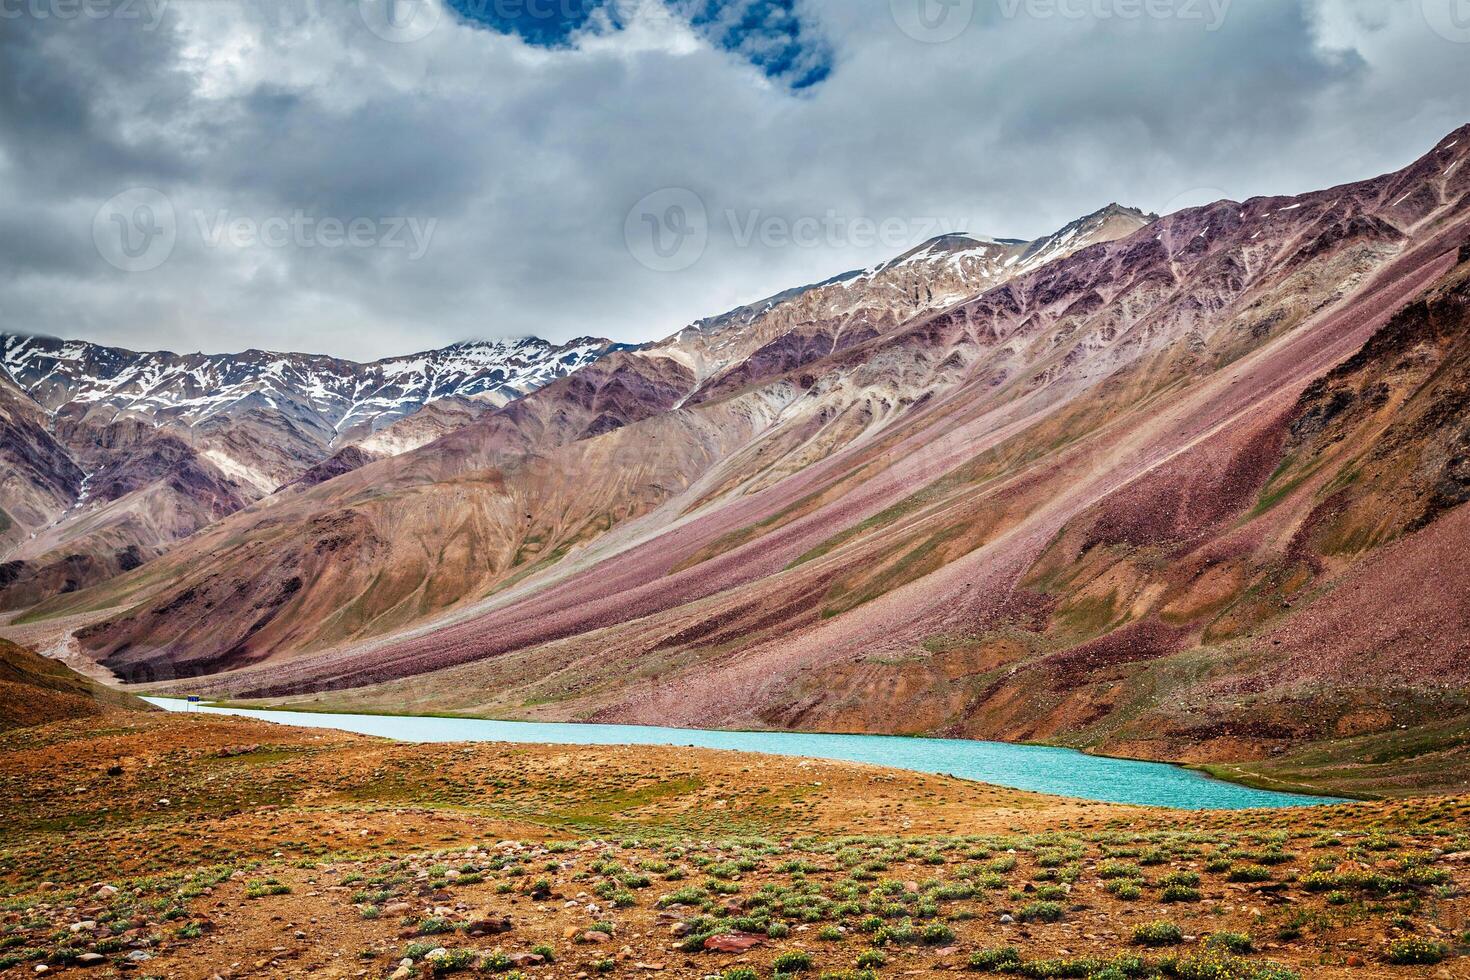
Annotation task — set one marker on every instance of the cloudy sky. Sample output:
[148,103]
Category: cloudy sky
[367,178]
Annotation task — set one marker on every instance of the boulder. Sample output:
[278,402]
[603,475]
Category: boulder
[733,942]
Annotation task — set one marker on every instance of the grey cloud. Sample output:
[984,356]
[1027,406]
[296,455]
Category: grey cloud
[529,159]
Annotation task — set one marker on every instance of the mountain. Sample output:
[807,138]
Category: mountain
[789,329]
[381,549]
[39,479]
[119,454]
[318,401]
[35,690]
[1129,496]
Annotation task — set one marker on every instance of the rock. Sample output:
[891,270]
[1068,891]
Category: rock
[1006,920]
[911,887]
[86,925]
[680,929]
[519,960]
[594,936]
[139,956]
[104,891]
[91,959]
[489,927]
[397,908]
[402,973]
[733,942]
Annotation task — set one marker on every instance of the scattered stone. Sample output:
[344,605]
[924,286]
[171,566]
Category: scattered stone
[520,960]
[733,942]
[489,927]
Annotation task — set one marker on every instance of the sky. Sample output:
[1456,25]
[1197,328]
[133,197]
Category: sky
[371,177]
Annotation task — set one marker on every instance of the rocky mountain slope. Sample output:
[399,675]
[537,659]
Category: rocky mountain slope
[35,691]
[517,491]
[1116,498]
[120,454]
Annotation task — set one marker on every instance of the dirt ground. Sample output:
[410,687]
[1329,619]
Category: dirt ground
[188,847]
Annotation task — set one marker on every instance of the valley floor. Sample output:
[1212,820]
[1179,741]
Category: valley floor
[145,844]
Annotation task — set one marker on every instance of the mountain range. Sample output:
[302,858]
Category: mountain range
[118,455]
[1185,487]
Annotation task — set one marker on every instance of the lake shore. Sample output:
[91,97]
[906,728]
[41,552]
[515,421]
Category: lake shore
[1059,771]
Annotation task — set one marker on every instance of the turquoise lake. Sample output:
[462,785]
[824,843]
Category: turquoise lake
[1046,770]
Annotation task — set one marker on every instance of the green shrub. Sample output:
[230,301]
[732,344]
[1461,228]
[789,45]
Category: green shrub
[1231,942]
[1126,890]
[1041,912]
[1214,964]
[937,934]
[1249,872]
[1004,959]
[1179,893]
[456,960]
[260,889]
[792,961]
[871,958]
[1160,933]
[1414,951]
